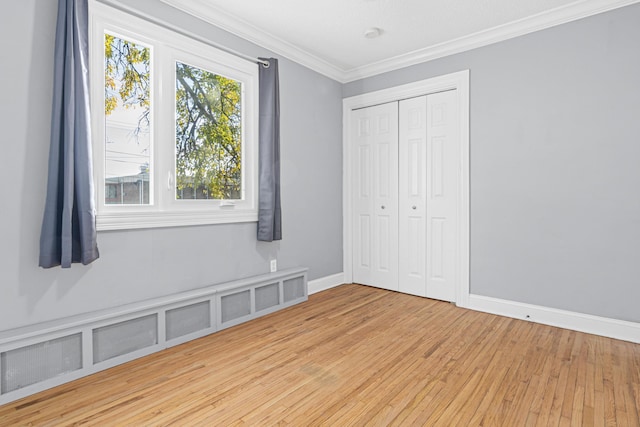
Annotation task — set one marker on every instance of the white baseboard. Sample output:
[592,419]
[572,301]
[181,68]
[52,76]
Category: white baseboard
[612,328]
[324,283]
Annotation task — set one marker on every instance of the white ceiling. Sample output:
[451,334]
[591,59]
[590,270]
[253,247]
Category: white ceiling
[328,35]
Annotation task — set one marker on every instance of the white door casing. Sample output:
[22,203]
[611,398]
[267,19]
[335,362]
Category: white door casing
[459,262]
[375,170]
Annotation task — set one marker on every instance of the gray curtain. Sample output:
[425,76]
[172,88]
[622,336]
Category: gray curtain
[269,213]
[69,225]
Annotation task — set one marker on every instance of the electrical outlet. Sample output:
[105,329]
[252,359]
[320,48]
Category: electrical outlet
[274,265]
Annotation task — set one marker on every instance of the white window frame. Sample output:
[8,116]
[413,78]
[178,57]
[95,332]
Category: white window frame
[167,48]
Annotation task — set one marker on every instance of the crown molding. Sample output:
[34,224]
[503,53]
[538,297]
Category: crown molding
[540,21]
[234,25]
[561,15]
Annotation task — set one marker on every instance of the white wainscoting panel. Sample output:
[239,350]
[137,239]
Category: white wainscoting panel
[37,357]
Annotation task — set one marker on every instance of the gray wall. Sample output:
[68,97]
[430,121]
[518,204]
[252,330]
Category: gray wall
[138,265]
[555,163]
[555,205]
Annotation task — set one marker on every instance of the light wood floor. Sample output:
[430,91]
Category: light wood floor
[356,355]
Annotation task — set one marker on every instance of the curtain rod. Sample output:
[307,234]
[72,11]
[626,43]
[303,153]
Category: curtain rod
[131,11]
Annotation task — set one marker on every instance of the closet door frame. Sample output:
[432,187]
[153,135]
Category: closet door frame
[458,81]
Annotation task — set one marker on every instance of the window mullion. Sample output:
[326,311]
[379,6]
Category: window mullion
[165,131]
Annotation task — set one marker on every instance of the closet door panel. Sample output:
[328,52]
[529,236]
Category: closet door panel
[361,136]
[412,195]
[375,178]
[443,158]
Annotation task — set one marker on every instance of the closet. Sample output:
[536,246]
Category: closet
[405,182]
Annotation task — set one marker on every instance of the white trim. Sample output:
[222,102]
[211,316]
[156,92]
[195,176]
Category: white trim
[239,27]
[607,327]
[137,220]
[450,81]
[182,31]
[550,18]
[327,282]
[458,81]
[540,21]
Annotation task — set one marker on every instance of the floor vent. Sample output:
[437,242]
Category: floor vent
[45,355]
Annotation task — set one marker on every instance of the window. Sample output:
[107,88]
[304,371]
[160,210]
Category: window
[208,135]
[127,120]
[175,127]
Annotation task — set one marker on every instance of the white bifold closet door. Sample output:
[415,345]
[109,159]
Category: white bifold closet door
[407,243]
[428,182]
[374,138]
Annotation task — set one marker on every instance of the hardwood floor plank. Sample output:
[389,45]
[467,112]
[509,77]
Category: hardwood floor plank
[361,356]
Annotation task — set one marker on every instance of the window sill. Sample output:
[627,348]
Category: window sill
[137,220]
